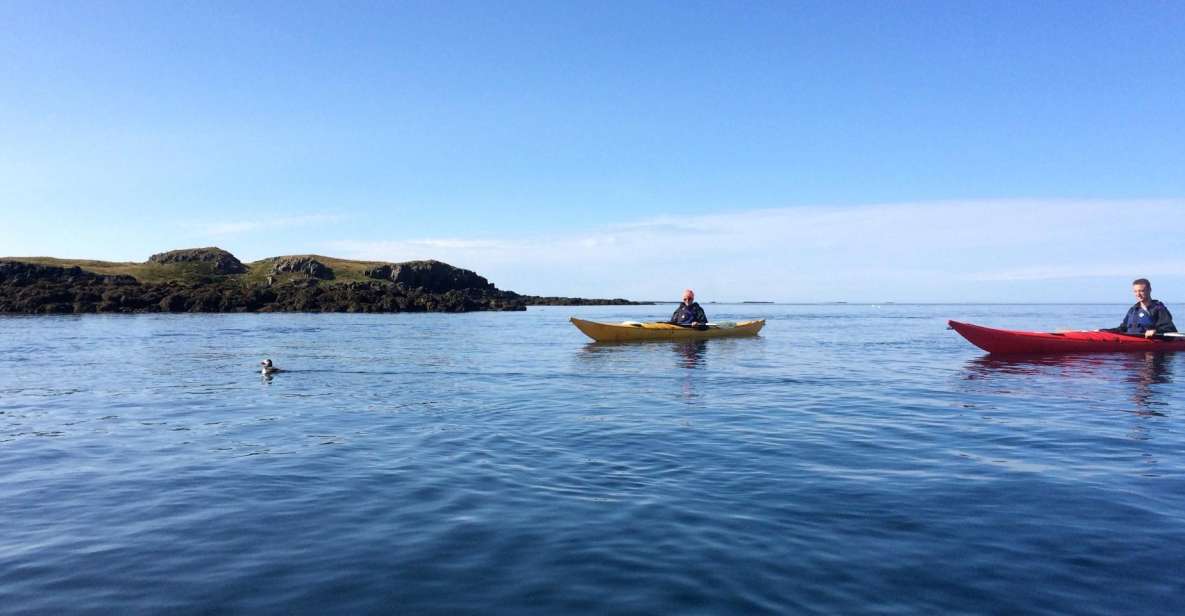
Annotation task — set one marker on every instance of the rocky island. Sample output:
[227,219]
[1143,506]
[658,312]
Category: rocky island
[213,280]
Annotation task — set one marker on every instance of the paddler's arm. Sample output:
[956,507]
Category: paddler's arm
[1122,329]
[1164,322]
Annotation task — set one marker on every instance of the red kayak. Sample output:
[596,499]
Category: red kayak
[1008,341]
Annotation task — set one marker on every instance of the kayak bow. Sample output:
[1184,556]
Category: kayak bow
[1003,341]
[612,332]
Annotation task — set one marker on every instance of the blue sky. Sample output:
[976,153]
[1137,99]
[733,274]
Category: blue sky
[914,151]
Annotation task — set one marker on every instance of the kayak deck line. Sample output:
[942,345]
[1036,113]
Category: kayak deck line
[1005,341]
[633,330]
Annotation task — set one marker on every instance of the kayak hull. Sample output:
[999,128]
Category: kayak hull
[1003,341]
[613,332]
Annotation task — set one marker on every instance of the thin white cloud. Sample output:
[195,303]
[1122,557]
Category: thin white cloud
[966,251]
[1174,267]
[262,223]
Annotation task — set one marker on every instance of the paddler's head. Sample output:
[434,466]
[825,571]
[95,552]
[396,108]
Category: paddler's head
[1142,289]
[688,296]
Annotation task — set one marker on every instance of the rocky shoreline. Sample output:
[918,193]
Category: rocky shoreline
[213,280]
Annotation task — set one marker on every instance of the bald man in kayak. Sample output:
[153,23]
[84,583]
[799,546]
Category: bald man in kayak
[689,314]
[1148,316]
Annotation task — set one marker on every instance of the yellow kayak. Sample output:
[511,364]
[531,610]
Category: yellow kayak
[614,332]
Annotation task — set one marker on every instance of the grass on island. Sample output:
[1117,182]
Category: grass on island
[344,270]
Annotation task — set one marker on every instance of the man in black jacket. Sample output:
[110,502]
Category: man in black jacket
[689,313]
[1148,316]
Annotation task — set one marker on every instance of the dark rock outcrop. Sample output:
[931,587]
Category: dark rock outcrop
[302,265]
[416,286]
[28,288]
[432,276]
[384,297]
[382,272]
[222,261]
[34,288]
[19,273]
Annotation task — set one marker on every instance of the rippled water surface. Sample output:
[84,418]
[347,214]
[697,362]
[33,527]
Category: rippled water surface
[851,459]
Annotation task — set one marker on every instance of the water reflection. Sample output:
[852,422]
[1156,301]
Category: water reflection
[990,366]
[691,353]
[653,357]
[1149,369]
[690,356]
[1143,372]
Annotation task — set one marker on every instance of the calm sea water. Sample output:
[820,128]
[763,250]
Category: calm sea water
[852,459]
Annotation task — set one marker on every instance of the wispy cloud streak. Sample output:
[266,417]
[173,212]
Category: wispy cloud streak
[958,250]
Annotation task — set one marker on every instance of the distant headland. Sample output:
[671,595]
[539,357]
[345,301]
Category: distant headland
[213,280]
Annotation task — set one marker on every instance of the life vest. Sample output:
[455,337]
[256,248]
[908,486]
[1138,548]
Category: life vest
[1140,320]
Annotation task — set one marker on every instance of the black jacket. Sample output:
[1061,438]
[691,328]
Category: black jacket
[1138,320]
[686,315]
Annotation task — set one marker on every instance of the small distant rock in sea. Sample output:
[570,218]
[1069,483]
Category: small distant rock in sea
[535,300]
